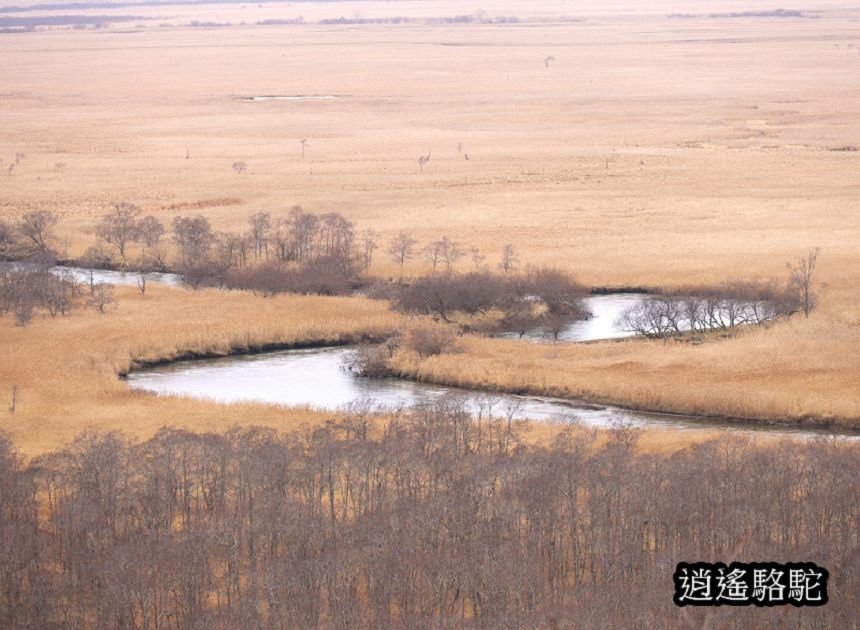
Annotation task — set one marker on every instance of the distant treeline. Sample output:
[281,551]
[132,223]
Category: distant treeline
[453,19]
[436,520]
[63,20]
[778,13]
[60,6]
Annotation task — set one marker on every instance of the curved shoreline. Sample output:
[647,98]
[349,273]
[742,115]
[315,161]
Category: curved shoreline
[808,424]
[252,350]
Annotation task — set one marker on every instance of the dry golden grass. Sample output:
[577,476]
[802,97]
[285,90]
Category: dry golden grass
[652,151]
[66,368]
[796,371]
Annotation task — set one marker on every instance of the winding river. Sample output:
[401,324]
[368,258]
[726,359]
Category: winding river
[318,378]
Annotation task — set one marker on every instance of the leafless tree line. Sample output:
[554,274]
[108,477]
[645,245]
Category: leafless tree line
[299,252]
[328,244]
[444,253]
[724,306]
[28,291]
[538,296]
[437,520]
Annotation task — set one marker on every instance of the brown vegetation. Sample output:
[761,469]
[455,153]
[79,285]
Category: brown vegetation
[650,152]
[27,292]
[793,371]
[66,368]
[434,520]
[513,301]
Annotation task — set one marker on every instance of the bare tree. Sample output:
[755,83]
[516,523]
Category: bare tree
[433,254]
[36,228]
[259,227]
[510,259]
[239,167]
[120,227]
[402,247]
[477,257]
[102,296]
[194,237]
[547,61]
[423,159]
[443,250]
[141,282]
[304,143]
[14,404]
[800,281]
[369,243]
[149,231]
[451,253]
[8,240]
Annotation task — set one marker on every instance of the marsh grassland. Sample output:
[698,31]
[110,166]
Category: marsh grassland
[629,148]
[430,180]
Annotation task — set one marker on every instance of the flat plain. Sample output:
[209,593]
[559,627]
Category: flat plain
[625,145]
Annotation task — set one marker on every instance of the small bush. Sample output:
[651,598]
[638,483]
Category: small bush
[271,279]
[369,360]
[432,341]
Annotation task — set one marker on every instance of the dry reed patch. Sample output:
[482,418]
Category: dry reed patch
[619,162]
[652,152]
[66,368]
[797,370]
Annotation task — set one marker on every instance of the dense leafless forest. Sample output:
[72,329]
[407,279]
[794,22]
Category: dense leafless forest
[435,519]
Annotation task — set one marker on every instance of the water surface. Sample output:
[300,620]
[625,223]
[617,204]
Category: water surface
[317,378]
[108,276]
[605,310]
[290,97]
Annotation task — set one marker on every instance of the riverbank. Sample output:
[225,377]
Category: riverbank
[316,376]
[65,369]
[778,374]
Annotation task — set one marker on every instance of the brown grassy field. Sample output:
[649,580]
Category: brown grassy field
[66,368]
[651,151]
[750,375]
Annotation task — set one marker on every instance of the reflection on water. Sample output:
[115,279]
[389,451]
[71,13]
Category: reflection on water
[317,378]
[605,310]
[101,275]
[119,277]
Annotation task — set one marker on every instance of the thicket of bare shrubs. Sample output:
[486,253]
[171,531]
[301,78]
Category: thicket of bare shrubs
[436,520]
[430,341]
[536,297]
[320,277]
[725,306]
[29,291]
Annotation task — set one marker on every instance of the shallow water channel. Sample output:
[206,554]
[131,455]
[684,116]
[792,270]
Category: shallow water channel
[317,378]
[290,97]
[119,277]
[101,275]
[605,310]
